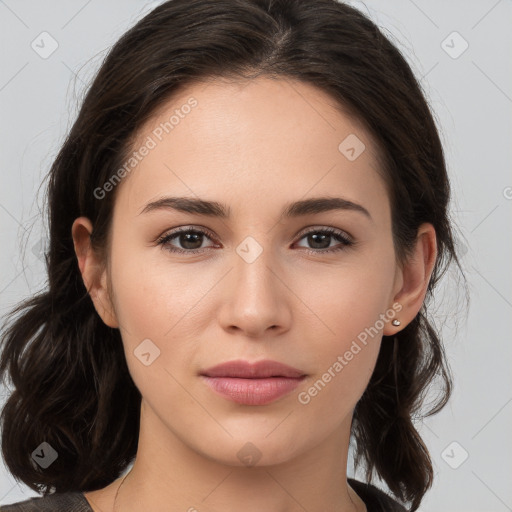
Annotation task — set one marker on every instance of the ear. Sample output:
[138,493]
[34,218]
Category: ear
[94,272]
[411,281]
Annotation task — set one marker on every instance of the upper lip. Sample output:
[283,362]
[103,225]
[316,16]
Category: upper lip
[257,370]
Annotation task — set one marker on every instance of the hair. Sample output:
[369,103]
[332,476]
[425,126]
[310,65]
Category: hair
[72,388]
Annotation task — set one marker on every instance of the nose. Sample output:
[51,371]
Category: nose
[255,298]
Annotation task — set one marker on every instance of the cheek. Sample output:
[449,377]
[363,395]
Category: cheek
[154,304]
[349,316]
[161,302]
[342,301]
[151,296]
[344,357]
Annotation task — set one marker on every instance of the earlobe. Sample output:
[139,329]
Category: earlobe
[93,271]
[415,277]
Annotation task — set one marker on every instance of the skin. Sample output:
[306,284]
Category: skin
[254,146]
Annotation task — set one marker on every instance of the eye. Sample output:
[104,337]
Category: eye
[321,239]
[191,240]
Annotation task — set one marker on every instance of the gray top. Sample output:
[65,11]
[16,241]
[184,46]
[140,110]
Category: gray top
[375,500]
[58,502]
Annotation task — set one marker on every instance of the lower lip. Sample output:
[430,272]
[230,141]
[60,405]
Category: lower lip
[252,391]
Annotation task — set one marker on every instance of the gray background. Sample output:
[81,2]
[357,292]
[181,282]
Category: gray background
[471,95]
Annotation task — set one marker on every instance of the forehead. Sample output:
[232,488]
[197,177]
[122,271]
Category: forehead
[261,140]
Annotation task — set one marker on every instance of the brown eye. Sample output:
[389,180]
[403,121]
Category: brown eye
[320,240]
[191,240]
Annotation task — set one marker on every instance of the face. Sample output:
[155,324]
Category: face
[254,284]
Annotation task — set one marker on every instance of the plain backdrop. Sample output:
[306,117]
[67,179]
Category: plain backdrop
[461,51]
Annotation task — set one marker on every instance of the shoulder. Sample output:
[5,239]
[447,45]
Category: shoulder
[374,498]
[58,502]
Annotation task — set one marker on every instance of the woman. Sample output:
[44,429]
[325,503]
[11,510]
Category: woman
[247,220]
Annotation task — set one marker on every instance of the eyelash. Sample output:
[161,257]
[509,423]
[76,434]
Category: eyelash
[338,235]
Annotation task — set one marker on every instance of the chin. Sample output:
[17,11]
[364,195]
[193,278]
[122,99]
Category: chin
[253,449]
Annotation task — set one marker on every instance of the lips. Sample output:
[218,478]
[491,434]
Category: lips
[247,383]
[259,370]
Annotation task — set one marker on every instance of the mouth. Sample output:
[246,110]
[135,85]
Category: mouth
[247,383]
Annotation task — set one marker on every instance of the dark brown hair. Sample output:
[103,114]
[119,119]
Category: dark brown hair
[72,387]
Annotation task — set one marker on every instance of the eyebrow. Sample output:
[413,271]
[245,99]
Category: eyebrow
[310,206]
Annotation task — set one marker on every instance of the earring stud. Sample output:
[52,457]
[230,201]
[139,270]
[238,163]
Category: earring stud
[396,322]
